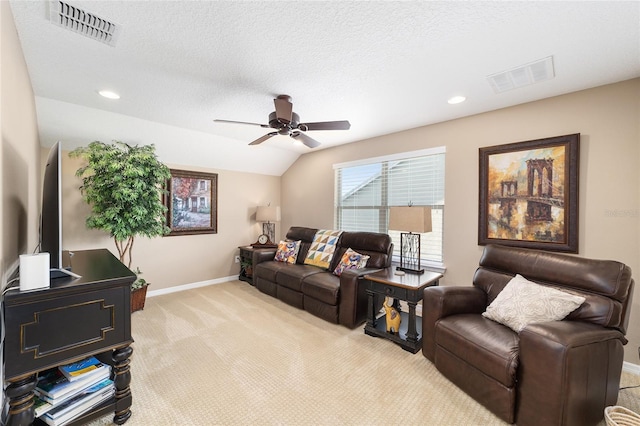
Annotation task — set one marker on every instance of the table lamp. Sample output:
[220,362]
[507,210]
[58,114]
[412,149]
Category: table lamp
[267,215]
[411,222]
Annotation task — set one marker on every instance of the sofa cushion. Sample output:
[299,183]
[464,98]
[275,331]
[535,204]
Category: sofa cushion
[287,251]
[523,302]
[494,346]
[268,270]
[324,287]
[322,248]
[292,276]
[351,260]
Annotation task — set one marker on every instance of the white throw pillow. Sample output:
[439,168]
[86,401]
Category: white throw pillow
[523,302]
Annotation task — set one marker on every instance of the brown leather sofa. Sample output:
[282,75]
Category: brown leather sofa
[340,300]
[553,373]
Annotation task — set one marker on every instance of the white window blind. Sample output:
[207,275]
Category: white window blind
[366,189]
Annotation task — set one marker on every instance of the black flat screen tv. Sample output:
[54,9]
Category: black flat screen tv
[51,214]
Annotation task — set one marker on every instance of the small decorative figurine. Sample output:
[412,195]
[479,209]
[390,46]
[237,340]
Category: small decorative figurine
[393,317]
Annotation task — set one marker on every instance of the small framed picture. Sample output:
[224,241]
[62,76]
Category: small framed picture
[192,203]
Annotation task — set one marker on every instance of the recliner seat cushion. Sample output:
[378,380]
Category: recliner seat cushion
[494,346]
[324,287]
[268,270]
[293,276]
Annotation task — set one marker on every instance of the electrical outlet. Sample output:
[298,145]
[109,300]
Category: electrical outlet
[237,259]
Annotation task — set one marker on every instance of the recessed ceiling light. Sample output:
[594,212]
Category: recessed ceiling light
[109,94]
[456,99]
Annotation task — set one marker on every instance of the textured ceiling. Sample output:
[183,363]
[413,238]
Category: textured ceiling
[384,66]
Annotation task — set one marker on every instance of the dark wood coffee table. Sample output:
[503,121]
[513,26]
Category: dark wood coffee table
[408,287]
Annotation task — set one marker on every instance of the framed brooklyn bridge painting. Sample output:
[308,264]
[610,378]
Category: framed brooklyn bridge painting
[529,194]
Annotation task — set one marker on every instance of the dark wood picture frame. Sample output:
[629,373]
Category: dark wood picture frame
[192,203]
[529,194]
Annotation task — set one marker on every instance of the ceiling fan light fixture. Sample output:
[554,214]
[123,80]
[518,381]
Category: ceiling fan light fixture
[456,100]
[108,94]
[285,122]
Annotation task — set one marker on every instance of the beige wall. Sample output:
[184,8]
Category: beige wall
[607,119]
[185,259]
[20,148]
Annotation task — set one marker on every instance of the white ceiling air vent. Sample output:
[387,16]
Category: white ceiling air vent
[82,22]
[523,75]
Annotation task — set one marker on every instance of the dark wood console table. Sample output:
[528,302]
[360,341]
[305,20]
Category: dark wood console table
[73,319]
[408,287]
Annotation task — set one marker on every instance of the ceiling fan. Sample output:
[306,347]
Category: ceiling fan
[287,122]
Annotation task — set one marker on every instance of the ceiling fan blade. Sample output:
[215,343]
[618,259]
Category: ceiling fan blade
[325,125]
[263,138]
[308,141]
[284,108]
[266,126]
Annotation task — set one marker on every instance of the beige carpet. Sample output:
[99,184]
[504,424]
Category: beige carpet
[229,355]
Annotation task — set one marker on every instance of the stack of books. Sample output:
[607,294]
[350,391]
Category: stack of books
[66,392]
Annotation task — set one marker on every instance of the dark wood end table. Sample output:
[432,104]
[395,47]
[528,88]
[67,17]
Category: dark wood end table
[408,287]
[246,258]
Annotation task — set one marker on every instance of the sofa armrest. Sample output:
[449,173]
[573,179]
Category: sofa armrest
[440,302]
[569,372]
[354,300]
[260,256]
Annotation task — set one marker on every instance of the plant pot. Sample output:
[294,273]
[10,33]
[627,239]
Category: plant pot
[138,297]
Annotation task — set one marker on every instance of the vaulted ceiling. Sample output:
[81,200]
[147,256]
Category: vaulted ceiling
[385,66]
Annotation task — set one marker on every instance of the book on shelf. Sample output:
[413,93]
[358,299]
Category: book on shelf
[80,369]
[80,399]
[72,408]
[54,387]
[40,406]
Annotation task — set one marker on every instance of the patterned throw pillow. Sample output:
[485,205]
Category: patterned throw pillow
[351,260]
[287,251]
[523,302]
[322,248]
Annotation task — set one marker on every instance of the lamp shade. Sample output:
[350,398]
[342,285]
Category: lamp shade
[410,219]
[268,214]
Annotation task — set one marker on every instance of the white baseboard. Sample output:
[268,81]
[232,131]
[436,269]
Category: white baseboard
[631,368]
[190,286]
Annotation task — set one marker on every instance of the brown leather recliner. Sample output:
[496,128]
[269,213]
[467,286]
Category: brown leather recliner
[552,373]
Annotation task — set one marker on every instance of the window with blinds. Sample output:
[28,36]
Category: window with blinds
[366,189]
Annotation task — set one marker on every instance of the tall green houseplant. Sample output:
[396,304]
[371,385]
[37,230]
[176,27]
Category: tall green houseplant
[123,185]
